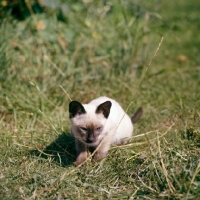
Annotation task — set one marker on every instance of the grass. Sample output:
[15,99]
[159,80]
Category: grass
[96,48]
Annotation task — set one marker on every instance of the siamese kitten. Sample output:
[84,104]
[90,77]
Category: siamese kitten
[102,121]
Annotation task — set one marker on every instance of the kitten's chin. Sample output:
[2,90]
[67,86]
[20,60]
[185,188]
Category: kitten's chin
[93,144]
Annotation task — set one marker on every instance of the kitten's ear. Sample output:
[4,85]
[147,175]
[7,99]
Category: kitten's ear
[76,108]
[104,108]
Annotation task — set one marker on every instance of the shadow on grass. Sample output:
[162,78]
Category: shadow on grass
[61,151]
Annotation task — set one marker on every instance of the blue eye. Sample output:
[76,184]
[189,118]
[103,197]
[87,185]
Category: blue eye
[83,128]
[98,128]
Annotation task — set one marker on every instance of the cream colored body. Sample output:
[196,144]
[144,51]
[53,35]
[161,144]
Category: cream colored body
[116,129]
[118,125]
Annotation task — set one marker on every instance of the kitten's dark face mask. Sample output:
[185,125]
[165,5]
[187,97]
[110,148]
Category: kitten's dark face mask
[89,134]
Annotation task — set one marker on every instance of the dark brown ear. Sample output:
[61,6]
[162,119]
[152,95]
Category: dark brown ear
[104,108]
[76,108]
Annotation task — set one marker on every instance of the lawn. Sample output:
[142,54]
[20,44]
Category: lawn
[140,53]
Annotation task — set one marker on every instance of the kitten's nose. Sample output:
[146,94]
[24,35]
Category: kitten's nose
[90,139]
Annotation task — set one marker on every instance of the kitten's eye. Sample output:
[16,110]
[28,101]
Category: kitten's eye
[98,128]
[83,128]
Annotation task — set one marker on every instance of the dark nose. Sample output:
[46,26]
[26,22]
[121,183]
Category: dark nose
[90,139]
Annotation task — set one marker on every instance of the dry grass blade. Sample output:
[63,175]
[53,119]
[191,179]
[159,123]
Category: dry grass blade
[171,187]
[49,121]
[65,92]
[144,134]
[146,186]
[144,73]
[134,193]
[146,142]
[193,178]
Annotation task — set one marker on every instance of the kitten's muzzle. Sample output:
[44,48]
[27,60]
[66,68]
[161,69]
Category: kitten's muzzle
[90,139]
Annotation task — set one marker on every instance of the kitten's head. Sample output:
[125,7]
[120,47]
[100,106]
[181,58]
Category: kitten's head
[88,121]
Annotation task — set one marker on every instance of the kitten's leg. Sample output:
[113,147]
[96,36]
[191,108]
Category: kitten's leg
[103,148]
[122,142]
[81,152]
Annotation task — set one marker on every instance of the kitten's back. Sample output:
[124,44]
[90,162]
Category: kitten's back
[118,120]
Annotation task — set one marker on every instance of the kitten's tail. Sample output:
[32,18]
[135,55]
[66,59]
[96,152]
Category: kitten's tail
[137,115]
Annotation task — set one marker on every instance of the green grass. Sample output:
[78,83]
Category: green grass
[96,48]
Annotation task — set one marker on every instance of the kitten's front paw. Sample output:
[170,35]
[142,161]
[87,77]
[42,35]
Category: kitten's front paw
[80,160]
[98,156]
